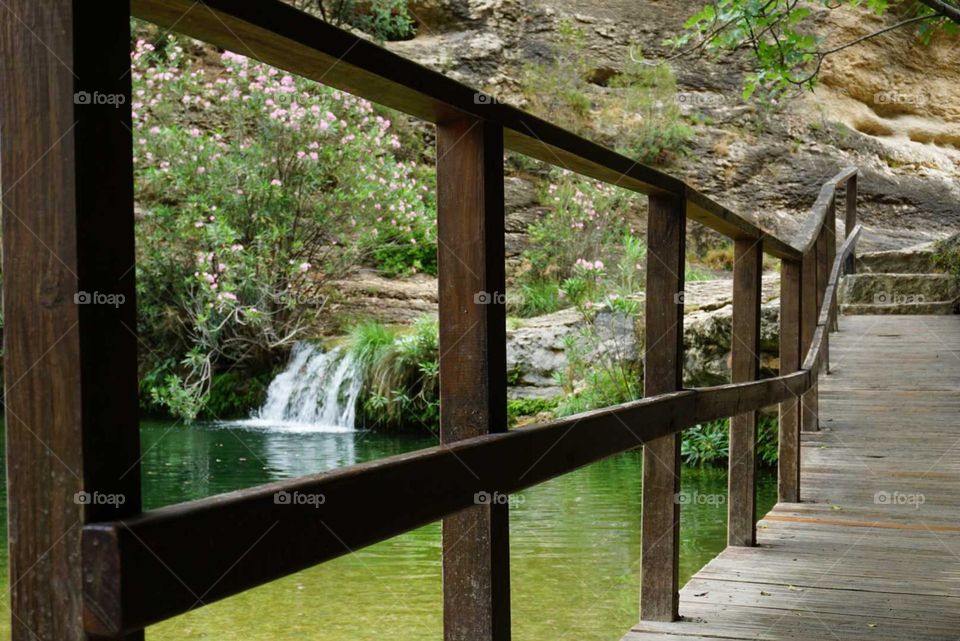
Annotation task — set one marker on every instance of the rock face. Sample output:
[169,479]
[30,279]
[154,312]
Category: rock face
[904,281]
[368,295]
[536,347]
[889,105]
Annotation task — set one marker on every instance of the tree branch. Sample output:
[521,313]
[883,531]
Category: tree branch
[944,9]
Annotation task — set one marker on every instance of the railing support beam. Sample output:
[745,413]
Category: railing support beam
[823,274]
[850,221]
[473,367]
[808,309]
[663,372]
[788,466]
[745,367]
[70,363]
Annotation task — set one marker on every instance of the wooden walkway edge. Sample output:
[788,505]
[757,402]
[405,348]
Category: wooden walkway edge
[873,549]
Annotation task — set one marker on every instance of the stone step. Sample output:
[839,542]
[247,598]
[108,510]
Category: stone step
[911,260]
[939,308]
[898,289]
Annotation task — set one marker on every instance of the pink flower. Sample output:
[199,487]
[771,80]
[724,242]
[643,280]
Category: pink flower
[276,183]
[305,267]
[201,170]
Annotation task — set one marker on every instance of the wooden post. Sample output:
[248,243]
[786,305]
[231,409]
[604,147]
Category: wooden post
[473,368]
[788,465]
[69,298]
[830,231]
[823,274]
[745,366]
[663,372]
[808,309]
[850,221]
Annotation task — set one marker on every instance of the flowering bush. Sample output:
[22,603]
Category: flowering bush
[586,218]
[257,188]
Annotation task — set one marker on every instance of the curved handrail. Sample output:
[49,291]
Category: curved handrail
[818,213]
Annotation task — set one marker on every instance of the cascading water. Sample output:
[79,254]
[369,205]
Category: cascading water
[317,389]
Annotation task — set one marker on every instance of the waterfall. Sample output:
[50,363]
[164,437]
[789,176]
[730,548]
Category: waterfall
[318,389]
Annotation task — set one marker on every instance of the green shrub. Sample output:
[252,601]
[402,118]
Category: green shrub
[709,443]
[602,386]
[694,274]
[719,258]
[647,104]
[523,407]
[946,255]
[401,376]
[236,394]
[382,19]
[537,297]
[641,101]
[557,89]
[585,220]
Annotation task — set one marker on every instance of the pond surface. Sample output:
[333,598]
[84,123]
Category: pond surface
[574,542]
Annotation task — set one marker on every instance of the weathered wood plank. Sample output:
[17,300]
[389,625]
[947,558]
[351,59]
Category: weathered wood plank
[872,551]
[69,306]
[663,373]
[850,220]
[473,368]
[830,254]
[745,366]
[788,466]
[809,311]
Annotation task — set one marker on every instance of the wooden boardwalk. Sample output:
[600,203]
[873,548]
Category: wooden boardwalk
[873,550]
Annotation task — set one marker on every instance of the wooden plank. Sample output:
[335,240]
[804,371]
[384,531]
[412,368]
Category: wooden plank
[809,311]
[830,254]
[788,448]
[850,220]
[663,373]
[473,368]
[857,559]
[745,366]
[69,308]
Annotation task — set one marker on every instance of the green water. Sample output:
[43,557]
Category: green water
[574,541]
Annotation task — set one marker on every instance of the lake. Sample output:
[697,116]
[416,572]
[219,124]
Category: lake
[574,541]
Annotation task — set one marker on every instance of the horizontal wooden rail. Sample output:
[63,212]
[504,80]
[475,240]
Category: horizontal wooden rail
[279,35]
[810,231]
[167,561]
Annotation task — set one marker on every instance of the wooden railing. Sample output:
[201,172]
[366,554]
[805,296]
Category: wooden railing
[138,568]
